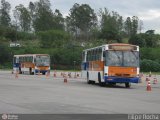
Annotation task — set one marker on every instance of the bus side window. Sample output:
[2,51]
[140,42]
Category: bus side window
[99,54]
[104,54]
[94,55]
[17,60]
[89,55]
[83,56]
[34,60]
[14,60]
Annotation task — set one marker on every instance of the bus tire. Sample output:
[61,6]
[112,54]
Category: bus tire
[112,84]
[99,80]
[88,81]
[128,85]
[30,71]
[20,71]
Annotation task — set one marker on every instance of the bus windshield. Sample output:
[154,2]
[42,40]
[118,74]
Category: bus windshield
[122,58]
[42,61]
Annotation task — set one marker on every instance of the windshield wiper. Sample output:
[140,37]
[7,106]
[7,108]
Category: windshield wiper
[134,54]
[116,54]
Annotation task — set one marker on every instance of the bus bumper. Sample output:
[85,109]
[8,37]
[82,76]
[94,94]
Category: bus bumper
[111,79]
[41,71]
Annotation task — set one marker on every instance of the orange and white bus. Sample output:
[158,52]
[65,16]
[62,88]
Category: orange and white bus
[111,63]
[31,63]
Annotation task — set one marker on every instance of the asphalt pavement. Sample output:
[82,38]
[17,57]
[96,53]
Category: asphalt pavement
[41,94]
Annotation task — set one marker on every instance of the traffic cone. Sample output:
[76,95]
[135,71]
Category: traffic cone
[141,75]
[39,72]
[75,76]
[47,74]
[150,74]
[155,81]
[65,78]
[16,75]
[147,78]
[149,86]
[69,75]
[54,73]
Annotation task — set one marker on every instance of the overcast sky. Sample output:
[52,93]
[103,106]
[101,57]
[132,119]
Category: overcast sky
[146,10]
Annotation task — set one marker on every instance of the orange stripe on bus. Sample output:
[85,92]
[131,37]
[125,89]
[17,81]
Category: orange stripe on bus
[122,71]
[96,65]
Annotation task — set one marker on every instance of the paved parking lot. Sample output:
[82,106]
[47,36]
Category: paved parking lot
[38,94]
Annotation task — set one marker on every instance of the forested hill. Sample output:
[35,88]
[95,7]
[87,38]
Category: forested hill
[38,29]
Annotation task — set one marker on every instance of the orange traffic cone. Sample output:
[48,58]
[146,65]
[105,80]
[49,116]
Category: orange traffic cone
[147,79]
[149,86]
[150,74]
[47,74]
[54,73]
[65,78]
[75,76]
[69,75]
[61,74]
[155,81]
[16,75]
[39,72]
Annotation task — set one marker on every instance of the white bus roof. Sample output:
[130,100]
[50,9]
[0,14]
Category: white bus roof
[31,55]
[106,45]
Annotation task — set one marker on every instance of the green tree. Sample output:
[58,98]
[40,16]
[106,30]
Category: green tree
[131,26]
[58,20]
[151,38]
[53,38]
[43,16]
[138,40]
[23,17]
[128,26]
[5,54]
[81,20]
[4,13]
[134,25]
[111,25]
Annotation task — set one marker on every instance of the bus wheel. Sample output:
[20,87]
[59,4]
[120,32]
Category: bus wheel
[88,81]
[30,71]
[112,84]
[127,85]
[99,80]
[20,72]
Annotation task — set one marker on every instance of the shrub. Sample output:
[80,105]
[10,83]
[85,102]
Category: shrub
[53,38]
[149,65]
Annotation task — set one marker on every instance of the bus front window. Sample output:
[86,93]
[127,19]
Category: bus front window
[122,58]
[114,58]
[42,61]
[131,58]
